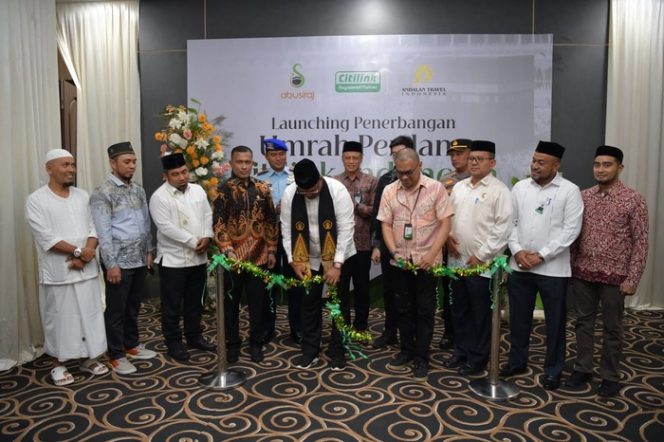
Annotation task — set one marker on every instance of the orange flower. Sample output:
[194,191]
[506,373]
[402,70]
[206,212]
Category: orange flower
[217,147]
[157,136]
[216,139]
[212,193]
[195,163]
[202,118]
[191,150]
[214,181]
[208,127]
[204,160]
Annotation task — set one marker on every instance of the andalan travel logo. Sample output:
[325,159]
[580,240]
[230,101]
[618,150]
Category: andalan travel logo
[297,80]
[422,84]
[357,81]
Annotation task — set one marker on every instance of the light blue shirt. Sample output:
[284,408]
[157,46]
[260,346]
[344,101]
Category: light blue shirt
[278,182]
[122,219]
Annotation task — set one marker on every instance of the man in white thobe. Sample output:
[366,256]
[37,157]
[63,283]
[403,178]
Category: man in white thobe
[69,293]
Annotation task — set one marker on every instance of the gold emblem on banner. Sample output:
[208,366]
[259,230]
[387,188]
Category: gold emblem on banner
[301,251]
[329,247]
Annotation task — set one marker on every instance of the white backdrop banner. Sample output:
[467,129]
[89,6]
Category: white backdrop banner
[317,92]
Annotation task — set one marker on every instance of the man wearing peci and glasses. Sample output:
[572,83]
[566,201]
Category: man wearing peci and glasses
[362,188]
[481,227]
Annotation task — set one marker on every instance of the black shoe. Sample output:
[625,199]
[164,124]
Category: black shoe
[508,371]
[420,370]
[337,364]
[305,361]
[179,354]
[550,382]
[400,360]
[232,356]
[577,379]
[446,342]
[201,344]
[608,388]
[470,370]
[257,353]
[454,362]
[384,340]
[296,337]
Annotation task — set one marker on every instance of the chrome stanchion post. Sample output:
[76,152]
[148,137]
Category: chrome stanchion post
[222,378]
[493,388]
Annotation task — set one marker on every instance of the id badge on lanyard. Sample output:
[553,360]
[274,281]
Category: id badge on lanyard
[408,231]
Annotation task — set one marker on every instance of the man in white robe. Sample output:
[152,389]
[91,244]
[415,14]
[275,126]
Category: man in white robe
[69,293]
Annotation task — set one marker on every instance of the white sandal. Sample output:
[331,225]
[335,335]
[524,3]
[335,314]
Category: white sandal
[94,367]
[61,376]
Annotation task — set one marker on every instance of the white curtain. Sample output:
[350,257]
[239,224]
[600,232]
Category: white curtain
[30,126]
[635,121]
[99,43]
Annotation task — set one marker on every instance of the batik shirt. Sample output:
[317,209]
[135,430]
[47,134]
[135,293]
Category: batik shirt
[245,221]
[613,245]
[363,190]
[122,219]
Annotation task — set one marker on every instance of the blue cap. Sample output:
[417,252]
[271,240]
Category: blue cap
[275,144]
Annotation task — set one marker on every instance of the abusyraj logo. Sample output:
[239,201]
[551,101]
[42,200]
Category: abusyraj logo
[297,81]
[296,76]
[357,81]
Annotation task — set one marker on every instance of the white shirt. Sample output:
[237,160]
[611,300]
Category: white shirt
[52,219]
[547,220]
[181,219]
[344,211]
[482,220]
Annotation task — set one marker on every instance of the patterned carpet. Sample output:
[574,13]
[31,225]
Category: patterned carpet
[367,401]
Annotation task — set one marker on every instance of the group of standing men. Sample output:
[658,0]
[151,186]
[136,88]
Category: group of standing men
[300,224]
[554,231]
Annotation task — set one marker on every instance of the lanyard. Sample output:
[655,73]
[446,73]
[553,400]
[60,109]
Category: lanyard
[410,217]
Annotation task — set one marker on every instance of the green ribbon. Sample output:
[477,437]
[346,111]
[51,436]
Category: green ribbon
[500,263]
[217,261]
[348,334]
[279,281]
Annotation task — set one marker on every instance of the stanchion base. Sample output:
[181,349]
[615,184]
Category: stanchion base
[501,391]
[223,380]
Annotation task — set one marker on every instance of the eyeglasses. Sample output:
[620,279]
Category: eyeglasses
[478,159]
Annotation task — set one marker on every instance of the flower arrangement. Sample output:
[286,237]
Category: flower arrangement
[190,131]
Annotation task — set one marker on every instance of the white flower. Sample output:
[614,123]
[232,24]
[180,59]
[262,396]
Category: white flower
[201,143]
[173,123]
[177,140]
[192,177]
[201,171]
[217,155]
[183,116]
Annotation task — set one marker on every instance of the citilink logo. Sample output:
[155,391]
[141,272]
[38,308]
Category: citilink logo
[357,81]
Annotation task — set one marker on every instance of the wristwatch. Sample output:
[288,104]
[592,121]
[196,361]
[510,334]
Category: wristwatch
[77,252]
[337,265]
